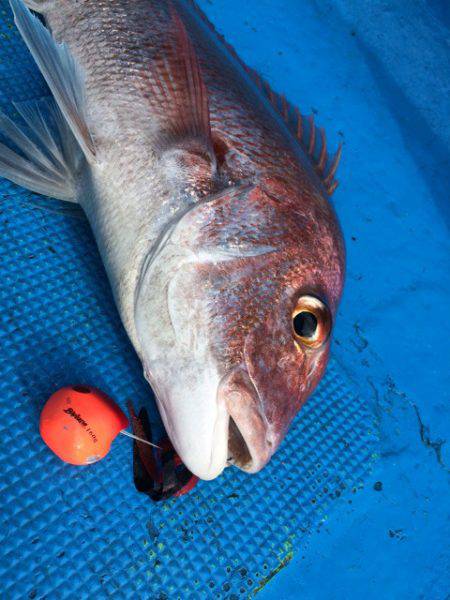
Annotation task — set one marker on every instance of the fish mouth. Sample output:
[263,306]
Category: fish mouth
[234,432]
[248,449]
[250,443]
[238,450]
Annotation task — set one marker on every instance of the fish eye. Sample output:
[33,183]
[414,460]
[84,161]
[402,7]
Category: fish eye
[311,322]
[305,324]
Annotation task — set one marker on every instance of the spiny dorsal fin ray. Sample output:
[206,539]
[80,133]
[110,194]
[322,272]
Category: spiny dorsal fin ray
[302,128]
[312,140]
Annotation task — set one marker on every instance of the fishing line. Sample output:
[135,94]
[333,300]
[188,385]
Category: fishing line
[135,437]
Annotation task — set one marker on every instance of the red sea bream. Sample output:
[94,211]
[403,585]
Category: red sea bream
[208,196]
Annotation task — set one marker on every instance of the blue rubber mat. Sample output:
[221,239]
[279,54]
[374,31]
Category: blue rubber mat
[85,532]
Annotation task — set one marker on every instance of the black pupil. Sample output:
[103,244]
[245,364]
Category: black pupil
[305,324]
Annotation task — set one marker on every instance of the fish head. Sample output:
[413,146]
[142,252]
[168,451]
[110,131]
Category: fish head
[234,311]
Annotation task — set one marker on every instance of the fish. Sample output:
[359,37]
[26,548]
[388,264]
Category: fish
[208,196]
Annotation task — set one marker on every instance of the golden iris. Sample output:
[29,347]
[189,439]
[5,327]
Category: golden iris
[311,321]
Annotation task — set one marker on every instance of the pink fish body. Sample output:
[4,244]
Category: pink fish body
[207,194]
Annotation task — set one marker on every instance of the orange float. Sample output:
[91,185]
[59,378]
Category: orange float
[79,424]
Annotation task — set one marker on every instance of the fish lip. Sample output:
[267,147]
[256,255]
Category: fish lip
[250,443]
[213,460]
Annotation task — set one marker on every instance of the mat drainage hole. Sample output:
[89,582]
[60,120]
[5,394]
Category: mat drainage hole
[82,389]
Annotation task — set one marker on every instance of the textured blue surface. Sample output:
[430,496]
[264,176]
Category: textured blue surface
[79,533]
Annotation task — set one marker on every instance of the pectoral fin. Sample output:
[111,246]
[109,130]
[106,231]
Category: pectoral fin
[179,84]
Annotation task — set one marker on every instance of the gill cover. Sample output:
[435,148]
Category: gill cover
[177,320]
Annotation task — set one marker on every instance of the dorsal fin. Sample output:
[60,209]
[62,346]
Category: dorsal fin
[312,140]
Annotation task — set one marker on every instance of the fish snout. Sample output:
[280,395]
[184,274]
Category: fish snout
[250,442]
